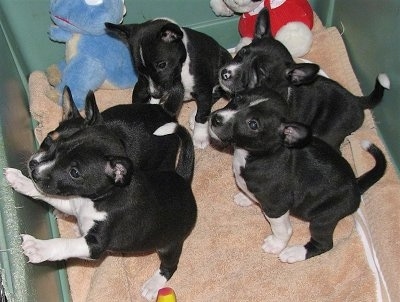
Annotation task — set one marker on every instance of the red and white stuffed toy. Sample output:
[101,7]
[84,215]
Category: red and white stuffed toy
[291,21]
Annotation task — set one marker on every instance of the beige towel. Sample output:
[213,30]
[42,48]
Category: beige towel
[222,260]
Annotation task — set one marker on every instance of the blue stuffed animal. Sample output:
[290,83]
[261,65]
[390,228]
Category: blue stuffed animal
[93,58]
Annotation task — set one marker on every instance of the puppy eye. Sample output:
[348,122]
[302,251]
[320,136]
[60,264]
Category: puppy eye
[74,173]
[253,124]
[161,65]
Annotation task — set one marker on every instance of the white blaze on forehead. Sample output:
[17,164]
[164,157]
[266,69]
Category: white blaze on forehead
[227,114]
[46,166]
[256,102]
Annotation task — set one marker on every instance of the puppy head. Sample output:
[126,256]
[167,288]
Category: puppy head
[158,50]
[89,163]
[265,62]
[250,120]
[257,122]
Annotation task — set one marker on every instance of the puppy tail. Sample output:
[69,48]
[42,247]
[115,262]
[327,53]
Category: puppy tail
[185,164]
[366,180]
[382,82]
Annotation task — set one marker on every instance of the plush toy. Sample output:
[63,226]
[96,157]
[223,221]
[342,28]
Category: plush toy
[93,58]
[291,21]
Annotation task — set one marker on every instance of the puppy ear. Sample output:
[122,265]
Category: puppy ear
[122,31]
[263,27]
[171,32]
[69,110]
[295,135]
[119,169]
[303,73]
[92,113]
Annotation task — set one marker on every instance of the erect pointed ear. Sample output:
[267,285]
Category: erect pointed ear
[119,169]
[263,26]
[171,32]
[295,135]
[69,109]
[93,116]
[303,73]
[122,31]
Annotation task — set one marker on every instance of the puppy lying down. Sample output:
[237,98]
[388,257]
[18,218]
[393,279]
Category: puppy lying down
[83,168]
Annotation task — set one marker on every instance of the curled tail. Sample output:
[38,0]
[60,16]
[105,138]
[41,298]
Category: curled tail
[374,98]
[185,164]
[366,180]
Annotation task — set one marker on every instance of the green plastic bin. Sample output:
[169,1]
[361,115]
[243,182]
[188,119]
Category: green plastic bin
[371,30]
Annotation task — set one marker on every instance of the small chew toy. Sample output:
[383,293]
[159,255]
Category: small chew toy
[166,294]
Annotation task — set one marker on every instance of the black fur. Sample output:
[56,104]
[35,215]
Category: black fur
[287,169]
[319,102]
[174,64]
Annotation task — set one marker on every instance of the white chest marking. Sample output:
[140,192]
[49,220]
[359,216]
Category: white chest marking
[187,78]
[86,213]
[239,161]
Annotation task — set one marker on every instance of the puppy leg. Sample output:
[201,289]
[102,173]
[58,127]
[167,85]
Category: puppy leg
[242,200]
[321,241]
[169,257]
[281,233]
[54,249]
[201,138]
[25,186]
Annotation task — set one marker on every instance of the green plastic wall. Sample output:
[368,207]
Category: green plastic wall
[370,30]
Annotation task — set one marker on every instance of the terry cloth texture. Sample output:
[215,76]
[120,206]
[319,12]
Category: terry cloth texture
[222,259]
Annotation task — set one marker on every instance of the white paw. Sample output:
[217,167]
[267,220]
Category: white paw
[273,245]
[293,254]
[36,250]
[242,200]
[21,183]
[151,287]
[201,138]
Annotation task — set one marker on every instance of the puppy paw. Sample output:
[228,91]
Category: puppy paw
[273,245]
[201,137]
[21,183]
[293,254]
[242,200]
[150,287]
[34,249]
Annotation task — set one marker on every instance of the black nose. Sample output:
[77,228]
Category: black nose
[226,74]
[32,164]
[217,120]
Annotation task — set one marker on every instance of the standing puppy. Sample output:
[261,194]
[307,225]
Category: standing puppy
[281,166]
[174,64]
[329,109]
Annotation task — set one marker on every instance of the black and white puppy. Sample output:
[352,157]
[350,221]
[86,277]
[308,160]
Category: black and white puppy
[282,167]
[174,64]
[134,124]
[319,102]
[119,207]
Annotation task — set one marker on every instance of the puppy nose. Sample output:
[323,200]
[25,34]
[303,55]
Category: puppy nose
[32,164]
[217,120]
[226,74]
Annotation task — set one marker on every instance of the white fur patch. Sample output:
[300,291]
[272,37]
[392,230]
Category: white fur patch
[54,249]
[186,76]
[242,200]
[293,254]
[201,138]
[151,287]
[384,80]
[365,144]
[231,68]
[281,233]
[256,102]
[166,129]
